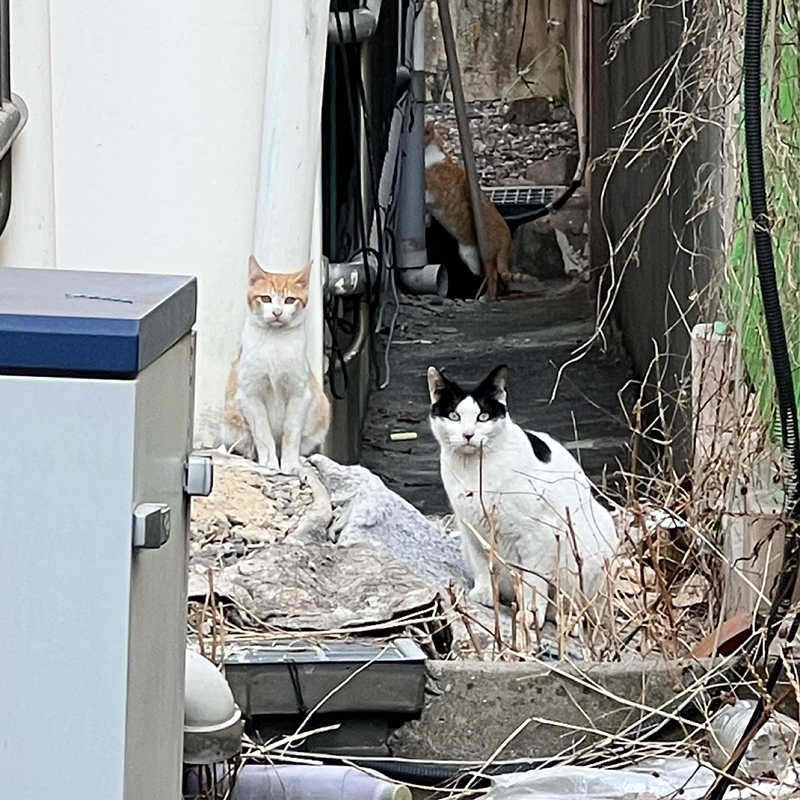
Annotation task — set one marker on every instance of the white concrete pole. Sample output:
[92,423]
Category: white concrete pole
[286,235]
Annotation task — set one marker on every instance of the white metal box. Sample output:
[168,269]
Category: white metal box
[96,401]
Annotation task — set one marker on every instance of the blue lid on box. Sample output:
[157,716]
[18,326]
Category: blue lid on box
[76,323]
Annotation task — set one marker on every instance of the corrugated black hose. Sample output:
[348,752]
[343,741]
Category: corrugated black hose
[784,589]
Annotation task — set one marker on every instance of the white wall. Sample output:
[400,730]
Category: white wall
[142,150]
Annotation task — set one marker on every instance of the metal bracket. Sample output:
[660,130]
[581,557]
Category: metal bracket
[349,278]
[198,476]
[151,525]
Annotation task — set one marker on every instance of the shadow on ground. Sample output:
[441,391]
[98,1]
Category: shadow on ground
[533,336]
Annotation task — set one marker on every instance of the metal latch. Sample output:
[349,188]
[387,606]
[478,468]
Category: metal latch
[151,525]
[198,476]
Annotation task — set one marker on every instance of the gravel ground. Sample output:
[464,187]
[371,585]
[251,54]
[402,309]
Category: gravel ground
[503,150]
[246,510]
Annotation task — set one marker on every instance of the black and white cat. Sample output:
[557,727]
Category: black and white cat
[529,487]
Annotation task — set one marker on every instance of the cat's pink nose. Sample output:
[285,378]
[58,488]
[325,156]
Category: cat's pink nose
[276,312]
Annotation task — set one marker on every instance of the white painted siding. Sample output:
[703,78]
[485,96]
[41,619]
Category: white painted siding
[143,149]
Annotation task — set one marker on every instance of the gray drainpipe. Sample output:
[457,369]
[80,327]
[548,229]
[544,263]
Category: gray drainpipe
[414,274]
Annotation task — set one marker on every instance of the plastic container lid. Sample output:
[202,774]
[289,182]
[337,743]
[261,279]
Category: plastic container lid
[84,323]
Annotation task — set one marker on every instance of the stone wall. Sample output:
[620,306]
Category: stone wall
[490,34]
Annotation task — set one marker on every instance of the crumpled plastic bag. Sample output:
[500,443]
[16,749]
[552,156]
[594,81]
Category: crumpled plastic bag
[649,779]
[770,753]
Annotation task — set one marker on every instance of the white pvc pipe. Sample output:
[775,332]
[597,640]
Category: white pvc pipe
[297,782]
[208,700]
[300,782]
[288,191]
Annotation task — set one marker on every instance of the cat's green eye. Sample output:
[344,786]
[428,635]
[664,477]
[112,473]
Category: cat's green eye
[289,300]
[454,416]
[483,417]
[265,298]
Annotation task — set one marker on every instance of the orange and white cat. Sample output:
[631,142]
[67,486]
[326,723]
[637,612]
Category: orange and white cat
[275,408]
[448,202]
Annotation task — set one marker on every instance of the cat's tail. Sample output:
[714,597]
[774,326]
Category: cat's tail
[504,272]
[540,287]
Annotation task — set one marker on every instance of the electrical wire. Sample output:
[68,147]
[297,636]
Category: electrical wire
[366,249]
[383,248]
[407,108]
[332,317]
[577,178]
[373,298]
[519,48]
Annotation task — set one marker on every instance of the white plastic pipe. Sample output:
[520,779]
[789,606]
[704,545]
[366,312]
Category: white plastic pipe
[208,700]
[29,238]
[298,782]
[285,237]
[314,783]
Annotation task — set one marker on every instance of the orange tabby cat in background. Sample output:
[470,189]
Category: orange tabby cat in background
[275,409]
[448,202]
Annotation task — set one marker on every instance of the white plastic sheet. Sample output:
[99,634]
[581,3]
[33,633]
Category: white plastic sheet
[770,753]
[667,778]
[653,778]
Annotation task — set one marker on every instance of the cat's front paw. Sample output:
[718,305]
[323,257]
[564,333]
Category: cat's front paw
[290,466]
[482,595]
[270,465]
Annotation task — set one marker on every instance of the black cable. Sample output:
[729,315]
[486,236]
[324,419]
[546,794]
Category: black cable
[358,198]
[770,299]
[332,312]
[373,185]
[522,41]
[518,65]
[577,180]
[781,364]
[302,708]
[333,322]
[530,216]
[373,298]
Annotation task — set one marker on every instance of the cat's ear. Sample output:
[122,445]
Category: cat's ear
[436,384]
[255,271]
[302,276]
[496,382]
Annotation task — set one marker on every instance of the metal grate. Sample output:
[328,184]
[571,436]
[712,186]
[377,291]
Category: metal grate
[523,195]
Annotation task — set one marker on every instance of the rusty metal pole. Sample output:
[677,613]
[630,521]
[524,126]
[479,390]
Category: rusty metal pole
[475,194]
